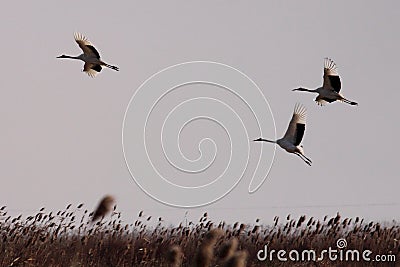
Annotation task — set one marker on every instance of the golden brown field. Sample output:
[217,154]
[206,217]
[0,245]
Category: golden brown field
[69,238]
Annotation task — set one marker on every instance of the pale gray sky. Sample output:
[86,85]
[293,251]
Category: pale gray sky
[60,138]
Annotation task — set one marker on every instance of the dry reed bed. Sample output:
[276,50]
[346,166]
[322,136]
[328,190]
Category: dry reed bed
[71,238]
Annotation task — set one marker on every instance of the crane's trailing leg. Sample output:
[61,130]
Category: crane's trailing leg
[349,102]
[304,158]
[112,67]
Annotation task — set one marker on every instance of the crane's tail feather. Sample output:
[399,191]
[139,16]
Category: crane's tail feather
[112,67]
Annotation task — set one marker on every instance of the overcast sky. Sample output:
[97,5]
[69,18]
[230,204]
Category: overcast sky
[60,139]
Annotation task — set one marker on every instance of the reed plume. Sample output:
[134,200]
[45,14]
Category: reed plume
[205,253]
[175,256]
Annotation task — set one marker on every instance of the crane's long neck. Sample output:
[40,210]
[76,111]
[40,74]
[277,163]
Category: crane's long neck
[71,57]
[264,140]
[306,90]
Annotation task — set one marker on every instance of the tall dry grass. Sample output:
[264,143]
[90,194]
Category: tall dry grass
[69,238]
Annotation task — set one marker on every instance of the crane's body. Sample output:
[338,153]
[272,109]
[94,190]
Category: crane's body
[91,57]
[291,141]
[330,90]
[289,147]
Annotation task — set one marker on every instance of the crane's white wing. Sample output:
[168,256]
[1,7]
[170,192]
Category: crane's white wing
[295,131]
[87,48]
[91,69]
[331,76]
[322,101]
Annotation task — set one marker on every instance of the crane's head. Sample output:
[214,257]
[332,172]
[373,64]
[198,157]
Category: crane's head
[299,89]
